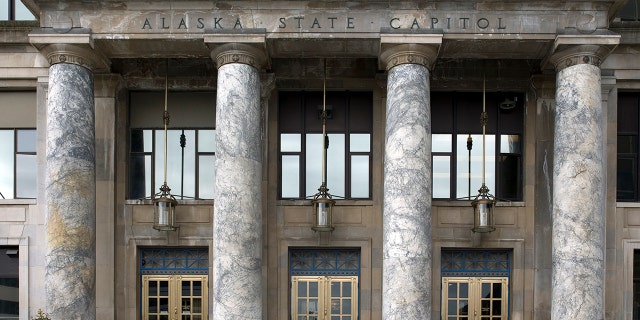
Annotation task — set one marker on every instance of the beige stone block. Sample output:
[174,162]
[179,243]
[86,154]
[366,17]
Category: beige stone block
[298,215]
[454,216]
[13,214]
[346,215]
[506,216]
[142,214]
[633,217]
[194,214]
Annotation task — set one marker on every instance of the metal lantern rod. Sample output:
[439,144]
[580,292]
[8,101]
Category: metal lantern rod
[164,203]
[322,201]
[484,202]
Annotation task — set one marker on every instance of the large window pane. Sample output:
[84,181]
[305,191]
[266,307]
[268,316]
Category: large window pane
[469,167]
[4,9]
[441,177]
[335,164]
[626,178]
[360,143]
[510,143]
[360,176]
[26,176]
[636,284]
[290,176]
[206,176]
[26,140]
[290,142]
[22,13]
[9,284]
[206,141]
[441,143]
[6,163]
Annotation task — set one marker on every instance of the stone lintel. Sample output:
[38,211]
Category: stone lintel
[572,49]
[246,48]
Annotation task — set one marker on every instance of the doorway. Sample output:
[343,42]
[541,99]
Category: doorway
[475,284]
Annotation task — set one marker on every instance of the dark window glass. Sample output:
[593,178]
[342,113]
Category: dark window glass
[457,144]
[630,11]
[18,163]
[636,284]
[9,283]
[627,144]
[349,127]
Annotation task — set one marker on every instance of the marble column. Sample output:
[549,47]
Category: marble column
[237,218]
[578,187]
[70,189]
[406,261]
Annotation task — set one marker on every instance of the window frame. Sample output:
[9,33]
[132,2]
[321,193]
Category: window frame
[455,123]
[155,166]
[16,153]
[304,99]
[634,133]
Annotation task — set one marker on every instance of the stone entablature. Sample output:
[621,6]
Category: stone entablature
[201,18]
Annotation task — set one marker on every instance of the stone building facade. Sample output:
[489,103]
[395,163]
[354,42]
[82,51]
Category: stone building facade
[83,87]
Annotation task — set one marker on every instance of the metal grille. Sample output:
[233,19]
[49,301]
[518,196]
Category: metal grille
[324,262]
[154,261]
[476,263]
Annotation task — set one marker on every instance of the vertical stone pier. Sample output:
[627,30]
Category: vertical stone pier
[70,185]
[578,184]
[406,261]
[237,222]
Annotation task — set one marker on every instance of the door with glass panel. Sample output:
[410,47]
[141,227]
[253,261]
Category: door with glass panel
[474,298]
[324,298]
[175,297]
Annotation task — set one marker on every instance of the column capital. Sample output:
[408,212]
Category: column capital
[573,49]
[409,48]
[76,48]
[246,47]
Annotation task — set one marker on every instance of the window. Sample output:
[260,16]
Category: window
[349,128]
[630,11]
[18,163]
[174,283]
[475,284]
[14,10]
[9,283]
[324,282]
[636,284]
[457,145]
[628,129]
[191,148]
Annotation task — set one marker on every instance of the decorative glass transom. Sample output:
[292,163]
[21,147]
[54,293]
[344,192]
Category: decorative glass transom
[324,262]
[476,263]
[174,261]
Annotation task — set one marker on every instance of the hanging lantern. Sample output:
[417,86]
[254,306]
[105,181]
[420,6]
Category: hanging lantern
[323,208]
[164,208]
[483,211]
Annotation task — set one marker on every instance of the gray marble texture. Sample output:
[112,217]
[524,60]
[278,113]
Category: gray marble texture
[406,274]
[578,196]
[237,222]
[70,193]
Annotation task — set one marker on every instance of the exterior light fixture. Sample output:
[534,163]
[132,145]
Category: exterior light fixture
[322,201]
[484,202]
[164,204]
